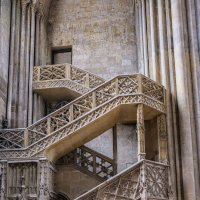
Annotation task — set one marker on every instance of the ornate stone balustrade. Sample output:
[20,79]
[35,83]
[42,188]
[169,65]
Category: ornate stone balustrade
[90,162]
[60,74]
[12,138]
[122,90]
[144,180]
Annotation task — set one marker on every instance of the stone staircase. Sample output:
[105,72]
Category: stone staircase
[100,105]
[143,180]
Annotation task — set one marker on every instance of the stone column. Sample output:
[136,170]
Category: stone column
[32,63]
[15,85]
[37,47]
[22,66]
[141,132]
[145,42]
[27,65]
[153,42]
[138,33]
[190,174]
[141,45]
[11,66]
[37,42]
[162,41]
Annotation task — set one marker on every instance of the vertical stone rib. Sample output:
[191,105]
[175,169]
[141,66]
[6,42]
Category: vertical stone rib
[22,67]
[12,57]
[153,39]
[145,39]
[37,40]
[162,41]
[14,107]
[27,64]
[141,37]
[32,53]
[138,33]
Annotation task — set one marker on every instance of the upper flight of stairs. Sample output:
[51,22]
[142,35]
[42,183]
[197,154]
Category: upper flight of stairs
[87,116]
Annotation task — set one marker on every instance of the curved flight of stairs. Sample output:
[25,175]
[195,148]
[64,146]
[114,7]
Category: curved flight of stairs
[100,105]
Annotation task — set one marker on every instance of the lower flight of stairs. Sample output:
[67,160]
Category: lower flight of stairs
[144,180]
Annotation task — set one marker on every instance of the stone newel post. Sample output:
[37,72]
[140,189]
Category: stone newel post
[141,132]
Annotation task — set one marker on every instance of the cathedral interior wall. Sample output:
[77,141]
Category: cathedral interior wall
[102,35]
[72,182]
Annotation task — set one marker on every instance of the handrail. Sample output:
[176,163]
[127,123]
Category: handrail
[66,71]
[90,162]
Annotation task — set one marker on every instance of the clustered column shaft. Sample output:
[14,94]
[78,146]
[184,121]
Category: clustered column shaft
[26,28]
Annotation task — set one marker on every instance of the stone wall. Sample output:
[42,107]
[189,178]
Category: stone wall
[151,140]
[72,182]
[101,33]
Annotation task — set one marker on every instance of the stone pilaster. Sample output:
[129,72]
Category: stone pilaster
[162,139]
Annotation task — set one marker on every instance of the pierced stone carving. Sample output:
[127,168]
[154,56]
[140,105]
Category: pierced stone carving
[125,89]
[11,138]
[65,71]
[146,180]
[90,162]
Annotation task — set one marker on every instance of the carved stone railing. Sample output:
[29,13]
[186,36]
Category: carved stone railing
[64,75]
[12,138]
[144,180]
[125,89]
[90,162]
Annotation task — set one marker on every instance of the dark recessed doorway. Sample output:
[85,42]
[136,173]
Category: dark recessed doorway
[63,55]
